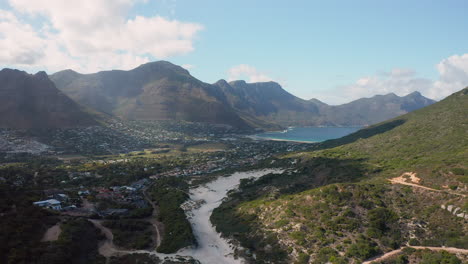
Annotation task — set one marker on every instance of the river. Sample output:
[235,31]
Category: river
[212,248]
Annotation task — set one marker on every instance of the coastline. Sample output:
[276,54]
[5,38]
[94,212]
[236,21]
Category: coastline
[306,135]
[256,137]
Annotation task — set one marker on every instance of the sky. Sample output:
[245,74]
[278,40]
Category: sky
[335,51]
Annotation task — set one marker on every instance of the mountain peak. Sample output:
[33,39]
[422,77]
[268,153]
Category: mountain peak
[12,71]
[390,95]
[415,93]
[238,83]
[41,75]
[221,82]
[159,65]
[317,101]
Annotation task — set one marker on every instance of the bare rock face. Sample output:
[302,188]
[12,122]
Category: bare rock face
[32,101]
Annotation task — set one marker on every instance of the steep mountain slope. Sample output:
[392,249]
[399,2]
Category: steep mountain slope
[32,101]
[153,91]
[353,198]
[269,101]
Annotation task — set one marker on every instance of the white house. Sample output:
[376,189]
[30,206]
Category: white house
[51,204]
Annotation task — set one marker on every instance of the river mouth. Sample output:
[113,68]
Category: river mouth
[212,248]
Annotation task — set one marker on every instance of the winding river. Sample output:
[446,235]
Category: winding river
[212,248]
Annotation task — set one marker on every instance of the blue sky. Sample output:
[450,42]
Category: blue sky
[332,50]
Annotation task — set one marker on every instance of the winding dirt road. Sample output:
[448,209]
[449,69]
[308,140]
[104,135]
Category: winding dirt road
[410,179]
[397,251]
[158,226]
[108,249]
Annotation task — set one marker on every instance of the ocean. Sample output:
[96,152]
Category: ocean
[309,134]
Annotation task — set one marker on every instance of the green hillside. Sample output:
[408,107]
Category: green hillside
[337,205]
[431,141]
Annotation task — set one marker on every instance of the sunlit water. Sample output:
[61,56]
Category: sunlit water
[308,134]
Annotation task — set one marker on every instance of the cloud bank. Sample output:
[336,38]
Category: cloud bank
[247,72]
[88,35]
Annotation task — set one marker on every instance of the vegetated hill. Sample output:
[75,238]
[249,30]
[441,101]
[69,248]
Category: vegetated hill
[429,140]
[337,205]
[269,101]
[32,101]
[153,91]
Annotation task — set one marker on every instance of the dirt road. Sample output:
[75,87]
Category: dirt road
[52,234]
[397,251]
[153,219]
[410,179]
[106,248]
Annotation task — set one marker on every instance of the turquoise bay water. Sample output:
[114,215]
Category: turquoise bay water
[309,134]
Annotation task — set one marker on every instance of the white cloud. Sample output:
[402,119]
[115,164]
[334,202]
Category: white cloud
[188,66]
[251,74]
[19,43]
[453,76]
[89,35]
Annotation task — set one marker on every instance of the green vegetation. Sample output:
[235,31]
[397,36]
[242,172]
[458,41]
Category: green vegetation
[77,244]
[22,225]
[131,234]
[135,259]
[360,220]
[431,141]
[353,211]
[169,193]
[121,173]
[410,255]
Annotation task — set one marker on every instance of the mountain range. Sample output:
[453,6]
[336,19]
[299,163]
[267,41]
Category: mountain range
[164,91]
[269,101]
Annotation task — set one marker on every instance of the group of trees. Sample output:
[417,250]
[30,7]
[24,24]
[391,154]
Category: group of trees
[131,234]
[169,193]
